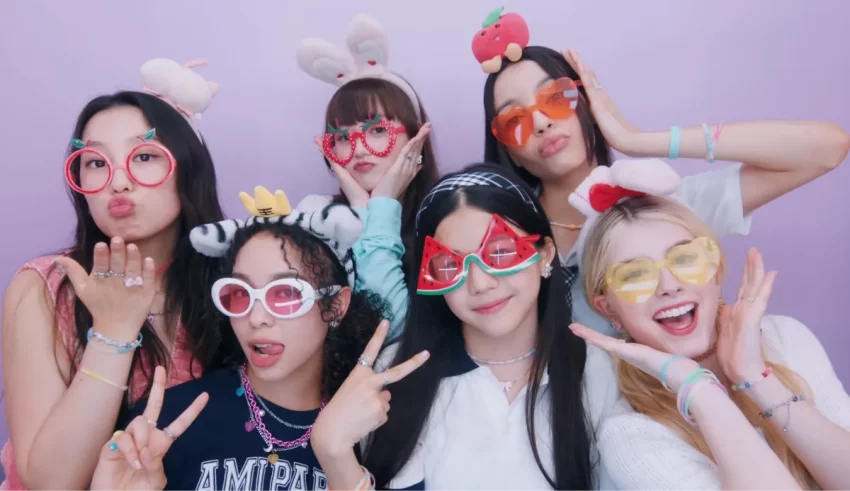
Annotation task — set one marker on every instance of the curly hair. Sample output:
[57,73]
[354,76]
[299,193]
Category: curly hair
[344,343]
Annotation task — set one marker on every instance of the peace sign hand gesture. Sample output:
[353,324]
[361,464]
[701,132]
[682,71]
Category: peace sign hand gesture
[617,131]
[647,359]
[133,458]
[361,404]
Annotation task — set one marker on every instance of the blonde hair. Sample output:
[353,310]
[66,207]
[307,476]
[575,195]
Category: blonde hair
[643,391]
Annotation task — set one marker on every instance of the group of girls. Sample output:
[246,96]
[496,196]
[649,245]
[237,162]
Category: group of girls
[414,331]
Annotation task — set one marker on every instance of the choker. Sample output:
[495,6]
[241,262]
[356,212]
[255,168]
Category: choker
[501,362]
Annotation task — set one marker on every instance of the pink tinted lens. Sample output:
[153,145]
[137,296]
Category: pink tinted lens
[235,299]
[284,299]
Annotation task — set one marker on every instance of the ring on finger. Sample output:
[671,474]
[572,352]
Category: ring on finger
[113,446]
[387,380]
[113,273]
[130,282]
[152,423]
[750,299]
[419,159]
[169,433]
[365,361]
[101,274]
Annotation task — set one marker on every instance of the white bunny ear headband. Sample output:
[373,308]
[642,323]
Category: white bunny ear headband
[179,85]
[368,58]
[335,224]
[607,186]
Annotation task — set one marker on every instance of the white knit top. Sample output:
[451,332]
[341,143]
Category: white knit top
[639,453]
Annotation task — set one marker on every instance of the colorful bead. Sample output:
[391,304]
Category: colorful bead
[113,446]
[272,458]
[249,426]
[240,391]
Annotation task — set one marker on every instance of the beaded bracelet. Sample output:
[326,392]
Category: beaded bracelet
[746,385]
[122,347]
[367,482]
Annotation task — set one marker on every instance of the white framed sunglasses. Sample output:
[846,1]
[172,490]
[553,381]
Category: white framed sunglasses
[286,298]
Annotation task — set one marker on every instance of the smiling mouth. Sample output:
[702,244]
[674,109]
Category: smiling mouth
[677,319]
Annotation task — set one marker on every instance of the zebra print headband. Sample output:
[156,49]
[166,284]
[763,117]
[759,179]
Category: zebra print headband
[469,179]
[335,224]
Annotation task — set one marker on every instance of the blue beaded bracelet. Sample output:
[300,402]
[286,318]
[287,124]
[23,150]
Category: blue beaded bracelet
[122,347]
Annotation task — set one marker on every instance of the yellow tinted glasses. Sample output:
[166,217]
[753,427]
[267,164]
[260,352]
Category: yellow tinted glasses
[693,263]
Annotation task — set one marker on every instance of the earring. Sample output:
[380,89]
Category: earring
[616,325]
[547,271]
[333,323]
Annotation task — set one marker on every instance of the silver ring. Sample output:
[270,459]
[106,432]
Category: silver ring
[365,361]
[386,379]
[419,159]
[101,274]
[597,86]
[750,299]
[168,433]
[113,273]
[152,423]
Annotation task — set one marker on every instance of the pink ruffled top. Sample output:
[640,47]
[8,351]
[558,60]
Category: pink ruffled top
[179,372]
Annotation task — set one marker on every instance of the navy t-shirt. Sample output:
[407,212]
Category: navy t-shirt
[217,453]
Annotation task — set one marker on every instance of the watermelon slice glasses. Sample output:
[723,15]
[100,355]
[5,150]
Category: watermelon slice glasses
[502,253]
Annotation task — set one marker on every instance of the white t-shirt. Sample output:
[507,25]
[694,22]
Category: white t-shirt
[715,196]
[640,453]
[474,439]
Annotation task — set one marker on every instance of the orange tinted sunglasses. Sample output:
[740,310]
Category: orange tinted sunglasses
[557,100]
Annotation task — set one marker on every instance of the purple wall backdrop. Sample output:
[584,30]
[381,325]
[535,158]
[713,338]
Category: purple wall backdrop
[663,62]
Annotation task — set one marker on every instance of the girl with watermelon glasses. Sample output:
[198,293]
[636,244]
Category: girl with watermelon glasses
[502,401]
[549,118]
[376,143]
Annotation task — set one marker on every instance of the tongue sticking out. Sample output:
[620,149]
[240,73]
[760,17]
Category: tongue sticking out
[678,322]
[272,349]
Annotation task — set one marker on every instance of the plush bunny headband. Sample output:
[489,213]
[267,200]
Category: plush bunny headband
[180,86]
[335,224]
[607,186]
[369,55]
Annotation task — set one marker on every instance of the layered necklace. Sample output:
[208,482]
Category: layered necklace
[273,445]
[507,385]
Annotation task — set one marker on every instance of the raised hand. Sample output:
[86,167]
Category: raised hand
[617,131]
[133,458]
[398,177]
[739,341]
[357,196]
[361,404]
[119,290]
[647,359]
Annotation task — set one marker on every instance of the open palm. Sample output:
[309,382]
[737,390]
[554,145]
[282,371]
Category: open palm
[133,458]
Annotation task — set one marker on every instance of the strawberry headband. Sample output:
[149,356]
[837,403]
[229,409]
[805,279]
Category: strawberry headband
[607,186]
[180,86]
[369,53]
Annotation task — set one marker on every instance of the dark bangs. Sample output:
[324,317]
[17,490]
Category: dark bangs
[362,98]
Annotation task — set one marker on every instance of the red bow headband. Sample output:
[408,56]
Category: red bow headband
[607,186]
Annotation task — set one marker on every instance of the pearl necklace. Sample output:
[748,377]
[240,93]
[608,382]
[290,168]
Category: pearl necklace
[501,362]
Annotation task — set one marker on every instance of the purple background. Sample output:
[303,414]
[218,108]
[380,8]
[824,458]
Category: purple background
[664,62]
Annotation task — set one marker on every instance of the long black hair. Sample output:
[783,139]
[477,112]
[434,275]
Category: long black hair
[344,343]
[432,325]
[355,102]
[554,64]
[188,279]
